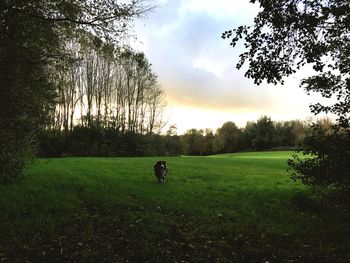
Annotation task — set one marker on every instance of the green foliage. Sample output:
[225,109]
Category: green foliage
[26,88]
[261,135]
[264,129]
[99,141]
[328,158]
[193,141]
[229,137]
[290,133]
[13,158]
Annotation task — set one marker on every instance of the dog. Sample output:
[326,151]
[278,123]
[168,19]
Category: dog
[161,171]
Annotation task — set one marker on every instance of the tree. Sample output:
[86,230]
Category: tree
[290,34]
[331,165]
[32,38]
[209,140]
[228,137]
[289,133]
[173,141]
[193,141]
[26,84]
[264,134]
[248,135]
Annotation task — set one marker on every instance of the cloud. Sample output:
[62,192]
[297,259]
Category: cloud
[196,68]
[221,9]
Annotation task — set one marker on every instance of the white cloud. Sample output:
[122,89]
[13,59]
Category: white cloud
[210,66]
[228,9]
[197,68]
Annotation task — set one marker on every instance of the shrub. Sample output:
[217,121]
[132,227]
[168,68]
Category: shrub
[326,158]
[14,155]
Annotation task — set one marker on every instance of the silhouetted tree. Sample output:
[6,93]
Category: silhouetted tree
[288,35]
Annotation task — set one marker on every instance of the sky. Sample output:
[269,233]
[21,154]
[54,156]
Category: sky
[196,67]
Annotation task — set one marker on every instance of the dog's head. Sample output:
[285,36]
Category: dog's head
[162,164]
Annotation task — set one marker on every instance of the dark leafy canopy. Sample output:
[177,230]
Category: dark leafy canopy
[33,34]
[332,166]
[106,18]
[288,34]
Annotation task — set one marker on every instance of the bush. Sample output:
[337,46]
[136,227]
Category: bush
[51,144]
[99,141]
[327,155]
[14,155]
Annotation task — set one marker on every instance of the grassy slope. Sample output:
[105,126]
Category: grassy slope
[240,207]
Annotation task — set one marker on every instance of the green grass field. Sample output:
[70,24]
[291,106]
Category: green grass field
[223,208]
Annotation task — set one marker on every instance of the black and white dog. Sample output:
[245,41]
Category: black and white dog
[161,171]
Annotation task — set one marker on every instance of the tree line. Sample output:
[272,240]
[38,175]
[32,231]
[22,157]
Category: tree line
[65,59]
[98,140]
[105,95]
[114,87]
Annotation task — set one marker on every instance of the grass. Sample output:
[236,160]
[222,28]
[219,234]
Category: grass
[223,208]
[254,155]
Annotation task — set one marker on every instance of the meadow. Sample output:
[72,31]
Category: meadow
[224,208]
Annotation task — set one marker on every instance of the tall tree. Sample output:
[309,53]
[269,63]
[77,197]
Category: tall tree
[228,137]
[289,34]
[263,138]
[26,82]
[193,142]
[32,33]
